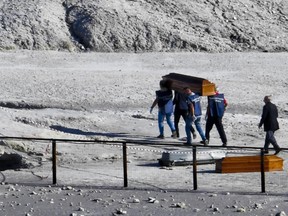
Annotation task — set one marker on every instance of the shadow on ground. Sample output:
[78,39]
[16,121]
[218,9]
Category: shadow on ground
[85,133]
[125,136]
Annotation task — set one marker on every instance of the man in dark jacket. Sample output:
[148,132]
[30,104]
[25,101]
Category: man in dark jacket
[269,119]
[181,109]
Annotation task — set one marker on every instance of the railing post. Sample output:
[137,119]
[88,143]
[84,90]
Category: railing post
[124,148]
[54,162]
[262,171]
[194,168]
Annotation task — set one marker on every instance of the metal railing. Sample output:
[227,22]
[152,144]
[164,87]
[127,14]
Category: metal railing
[135,142]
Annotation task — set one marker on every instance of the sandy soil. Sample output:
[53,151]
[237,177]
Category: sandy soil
[107,97]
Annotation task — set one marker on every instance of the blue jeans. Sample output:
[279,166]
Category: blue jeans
[199,128]
[188,124]
[161,117]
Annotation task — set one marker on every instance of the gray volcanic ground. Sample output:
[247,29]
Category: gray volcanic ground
[107,97]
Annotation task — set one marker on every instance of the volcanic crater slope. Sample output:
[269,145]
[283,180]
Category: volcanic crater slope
[144,25]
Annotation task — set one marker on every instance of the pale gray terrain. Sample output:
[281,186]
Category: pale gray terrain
[102,96]
[89,69]
[144,25]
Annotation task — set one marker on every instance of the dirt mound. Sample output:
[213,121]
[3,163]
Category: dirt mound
[145,25]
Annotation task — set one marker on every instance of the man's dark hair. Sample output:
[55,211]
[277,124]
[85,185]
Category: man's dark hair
[162,83]
[166,83]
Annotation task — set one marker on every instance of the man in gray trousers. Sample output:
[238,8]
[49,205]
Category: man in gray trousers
[269,119]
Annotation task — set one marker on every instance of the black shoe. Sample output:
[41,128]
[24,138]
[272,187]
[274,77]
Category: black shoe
[188,144]
[205,142]
[174,135]
[194,135]
[266,152]
[224,144]
[160,137]
[277,151]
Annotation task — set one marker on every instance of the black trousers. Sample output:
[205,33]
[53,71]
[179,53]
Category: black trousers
[270,138]
[218,123]
[177,115]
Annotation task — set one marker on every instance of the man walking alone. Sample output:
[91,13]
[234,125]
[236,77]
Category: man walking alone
[269,119]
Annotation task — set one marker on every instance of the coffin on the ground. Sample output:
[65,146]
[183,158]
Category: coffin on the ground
[198,85]
[182,158]
[249,164]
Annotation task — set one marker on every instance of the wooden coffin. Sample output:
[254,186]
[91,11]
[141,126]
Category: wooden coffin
[248,164]
[198,85]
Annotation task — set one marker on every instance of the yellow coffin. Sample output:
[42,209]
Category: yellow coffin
[248,164]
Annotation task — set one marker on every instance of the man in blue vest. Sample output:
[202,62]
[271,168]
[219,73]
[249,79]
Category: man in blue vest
[215,111]
[165,108]
[194,115]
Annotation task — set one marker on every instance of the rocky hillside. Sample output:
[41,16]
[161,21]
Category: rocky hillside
[144,25]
